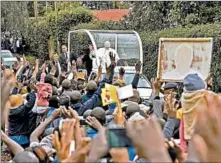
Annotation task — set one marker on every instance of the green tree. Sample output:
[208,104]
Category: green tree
[14,16]
[149,15]
[167,14]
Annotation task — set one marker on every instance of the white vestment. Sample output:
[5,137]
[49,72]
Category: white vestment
[103,57]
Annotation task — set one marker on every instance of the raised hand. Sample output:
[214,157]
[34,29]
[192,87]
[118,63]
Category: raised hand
[99,141]
[79,155]
[93,122]
[7,83]
[99,70]
[156,85]
[62,146]
[119,155]
[121,71]
[171,105]
[74,66]
[36,62]
[138,66]
[56,113]
[207,138]
[148,131]
[112,58]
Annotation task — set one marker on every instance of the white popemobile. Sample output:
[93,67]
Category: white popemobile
[126,45]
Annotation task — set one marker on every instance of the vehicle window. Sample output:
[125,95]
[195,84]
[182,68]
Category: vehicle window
[5,55]
[128,48]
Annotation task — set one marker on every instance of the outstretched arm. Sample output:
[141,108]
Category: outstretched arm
[137,75]
[41,128]
[12,145]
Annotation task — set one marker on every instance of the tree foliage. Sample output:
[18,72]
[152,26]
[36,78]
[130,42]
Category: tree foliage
[169,14]
[54,25]
[14,16]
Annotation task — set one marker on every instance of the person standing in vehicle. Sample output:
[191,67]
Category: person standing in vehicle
[103,57]
[88,59]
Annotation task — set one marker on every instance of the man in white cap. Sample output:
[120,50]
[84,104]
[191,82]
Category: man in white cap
[103,55]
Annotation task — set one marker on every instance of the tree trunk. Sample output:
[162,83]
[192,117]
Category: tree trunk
[36,8]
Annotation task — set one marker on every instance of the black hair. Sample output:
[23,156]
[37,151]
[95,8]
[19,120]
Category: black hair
[28,89]
[49,79]
[65,101]
[54,101]
[124,109]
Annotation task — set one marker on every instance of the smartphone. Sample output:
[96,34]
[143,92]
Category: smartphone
[83,122]
[117,138]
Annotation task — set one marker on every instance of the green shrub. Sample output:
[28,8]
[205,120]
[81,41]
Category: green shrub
[56,25]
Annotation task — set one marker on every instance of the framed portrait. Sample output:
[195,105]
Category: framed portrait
[179,57]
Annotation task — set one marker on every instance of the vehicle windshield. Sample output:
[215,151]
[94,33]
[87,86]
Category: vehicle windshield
[128,78]
[125,44]
[6,54]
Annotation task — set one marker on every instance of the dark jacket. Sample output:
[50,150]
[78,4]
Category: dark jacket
[94,101]
[32,123]
[62,60]
[170,127]
[87,96]
[88,63]
[19,118]
[135,81]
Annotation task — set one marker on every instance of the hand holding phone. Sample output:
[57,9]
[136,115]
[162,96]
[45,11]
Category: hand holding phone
[117,138]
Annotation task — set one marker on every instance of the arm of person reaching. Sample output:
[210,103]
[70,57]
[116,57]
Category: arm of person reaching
[34,74]
[137,75]
[95,100]
[98,74]
[41,128]
[11,144]
[171,108]
[169,127]
[110,70]
[121,73]
[156,85]
[149,132]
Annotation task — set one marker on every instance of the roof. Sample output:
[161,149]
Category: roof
[110,15]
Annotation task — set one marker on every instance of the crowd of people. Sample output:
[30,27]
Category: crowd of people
[51,112]
[13,42]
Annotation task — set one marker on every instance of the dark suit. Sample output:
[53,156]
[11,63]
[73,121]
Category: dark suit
[63,60]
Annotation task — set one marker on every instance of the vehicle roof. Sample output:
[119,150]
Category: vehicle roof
[5,51]
[129,69]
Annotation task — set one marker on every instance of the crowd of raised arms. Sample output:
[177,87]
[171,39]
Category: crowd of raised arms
[52,113]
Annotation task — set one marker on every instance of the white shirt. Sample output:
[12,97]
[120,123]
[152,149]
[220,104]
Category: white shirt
[17,44]
[67,56]
[103,57]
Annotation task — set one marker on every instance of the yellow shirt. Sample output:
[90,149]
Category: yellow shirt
[179,113]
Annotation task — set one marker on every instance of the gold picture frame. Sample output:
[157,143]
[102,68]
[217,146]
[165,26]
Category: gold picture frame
[169,46]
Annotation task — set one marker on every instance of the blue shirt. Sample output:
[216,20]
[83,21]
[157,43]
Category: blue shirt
[20,139]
